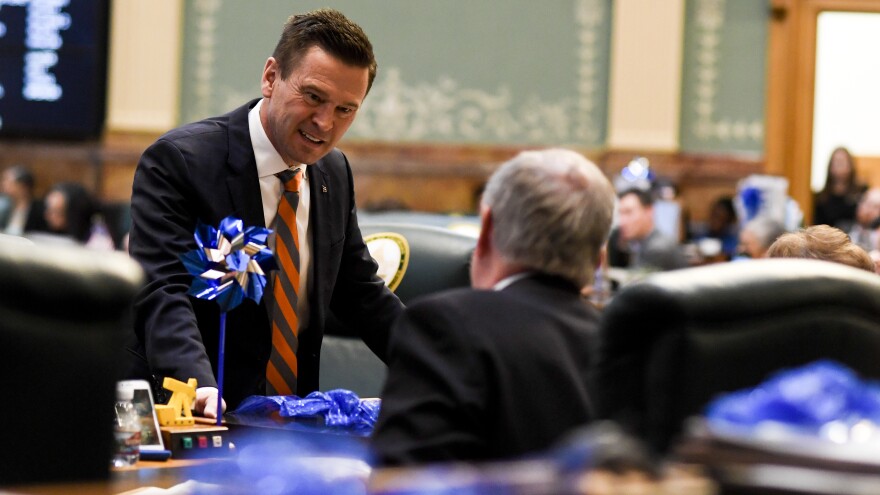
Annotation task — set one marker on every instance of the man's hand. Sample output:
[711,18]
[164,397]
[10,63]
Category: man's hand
[206,402]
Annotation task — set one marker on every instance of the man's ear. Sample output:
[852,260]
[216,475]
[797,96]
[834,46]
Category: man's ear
[271,75]
[484,241]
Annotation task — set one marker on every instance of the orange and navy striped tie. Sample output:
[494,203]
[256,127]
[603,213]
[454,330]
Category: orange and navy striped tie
[281,370]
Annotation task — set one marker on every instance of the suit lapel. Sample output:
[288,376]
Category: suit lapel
[243,183]
[318,218]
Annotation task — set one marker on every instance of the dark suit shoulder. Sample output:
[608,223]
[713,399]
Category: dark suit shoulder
[482,314]
[195,130]
[211,125]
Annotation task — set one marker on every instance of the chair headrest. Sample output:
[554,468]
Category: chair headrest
[727,290]
[66,281]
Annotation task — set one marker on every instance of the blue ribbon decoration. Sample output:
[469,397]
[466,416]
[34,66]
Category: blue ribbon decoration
[229,265]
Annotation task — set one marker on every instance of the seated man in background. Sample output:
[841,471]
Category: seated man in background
[501,369]
[636,243]
[821,242]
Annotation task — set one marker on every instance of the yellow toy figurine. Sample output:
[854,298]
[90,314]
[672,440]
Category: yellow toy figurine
[178,411]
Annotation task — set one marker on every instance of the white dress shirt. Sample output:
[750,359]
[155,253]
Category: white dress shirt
[269,164]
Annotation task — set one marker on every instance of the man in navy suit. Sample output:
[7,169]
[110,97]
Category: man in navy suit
[312,87]
[502,370]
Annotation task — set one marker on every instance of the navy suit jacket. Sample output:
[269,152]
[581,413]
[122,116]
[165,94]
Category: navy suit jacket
[480,375]
[206,171]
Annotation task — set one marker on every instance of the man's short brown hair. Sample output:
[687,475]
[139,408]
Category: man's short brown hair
[330,30]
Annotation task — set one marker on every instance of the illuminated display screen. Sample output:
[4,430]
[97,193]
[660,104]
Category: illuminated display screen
[53,57]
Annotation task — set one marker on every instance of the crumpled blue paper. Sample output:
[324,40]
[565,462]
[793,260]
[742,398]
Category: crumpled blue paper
[337,408]
[230,263]
[806,398]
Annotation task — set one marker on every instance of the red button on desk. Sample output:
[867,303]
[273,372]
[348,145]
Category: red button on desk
[203,442]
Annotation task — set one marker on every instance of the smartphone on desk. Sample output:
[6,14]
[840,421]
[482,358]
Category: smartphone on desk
[152,447]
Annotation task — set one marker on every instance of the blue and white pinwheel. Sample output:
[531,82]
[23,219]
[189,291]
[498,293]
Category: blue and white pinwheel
[229,265]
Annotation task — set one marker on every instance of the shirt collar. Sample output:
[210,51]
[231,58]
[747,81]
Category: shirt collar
[508,281]
[269,162]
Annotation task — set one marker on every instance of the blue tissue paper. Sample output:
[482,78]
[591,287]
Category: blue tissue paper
[338,408]
[805,398]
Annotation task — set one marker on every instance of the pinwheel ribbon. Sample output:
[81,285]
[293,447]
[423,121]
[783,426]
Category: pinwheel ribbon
[230,263]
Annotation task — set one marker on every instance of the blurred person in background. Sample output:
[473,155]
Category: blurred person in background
[862,231]
[835,204]
[756,237]
[26,212]
[636,243]
[722,226]
[69,210]
[821,242]
[72,215]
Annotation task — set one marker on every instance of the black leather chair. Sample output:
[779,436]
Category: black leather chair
[676,340]
[439,259]
[62,317]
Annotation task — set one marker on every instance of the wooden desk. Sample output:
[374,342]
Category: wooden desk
[145,474]
[128,480]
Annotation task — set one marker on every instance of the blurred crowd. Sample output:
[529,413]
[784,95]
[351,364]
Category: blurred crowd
[67,214]
[653,232]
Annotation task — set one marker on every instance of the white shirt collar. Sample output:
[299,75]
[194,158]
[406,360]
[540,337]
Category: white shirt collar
[508,281]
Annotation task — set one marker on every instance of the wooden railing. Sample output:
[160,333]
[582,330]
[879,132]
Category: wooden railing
[425,177]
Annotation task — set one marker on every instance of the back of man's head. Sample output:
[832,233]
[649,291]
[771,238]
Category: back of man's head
[551,212]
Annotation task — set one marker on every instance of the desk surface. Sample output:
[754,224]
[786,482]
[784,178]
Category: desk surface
[128,480]
[306,440]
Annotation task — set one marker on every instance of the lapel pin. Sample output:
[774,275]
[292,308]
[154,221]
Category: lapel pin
[323,188]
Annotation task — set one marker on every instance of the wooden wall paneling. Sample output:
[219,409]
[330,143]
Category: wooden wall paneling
[120,154]
[799,167]
[868,169]
[792,88]
[424,177]
[52,162]
[780,84]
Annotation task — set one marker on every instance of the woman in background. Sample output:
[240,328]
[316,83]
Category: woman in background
[835,204]
[69,211]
